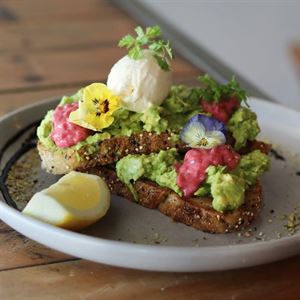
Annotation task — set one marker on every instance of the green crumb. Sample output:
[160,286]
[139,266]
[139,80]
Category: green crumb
[292,223]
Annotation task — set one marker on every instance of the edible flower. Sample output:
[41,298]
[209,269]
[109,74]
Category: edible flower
[202,131]
[96,107]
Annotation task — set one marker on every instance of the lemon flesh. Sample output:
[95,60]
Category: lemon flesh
[76,201]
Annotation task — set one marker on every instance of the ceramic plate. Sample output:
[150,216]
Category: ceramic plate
[135,237]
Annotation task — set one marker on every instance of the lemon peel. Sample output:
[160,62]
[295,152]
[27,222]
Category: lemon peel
[76,201]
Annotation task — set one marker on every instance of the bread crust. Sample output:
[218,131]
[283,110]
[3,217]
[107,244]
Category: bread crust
[196,212]
[64,160]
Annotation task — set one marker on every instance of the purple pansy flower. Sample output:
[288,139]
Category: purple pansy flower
[202,131]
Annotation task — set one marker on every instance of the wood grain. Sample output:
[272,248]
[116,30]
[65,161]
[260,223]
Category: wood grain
[53,47]
[63,35]
[36,11]
[19,70]
[21,251]
[10,102]
[86,280]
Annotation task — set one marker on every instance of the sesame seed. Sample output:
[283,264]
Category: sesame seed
[247,234]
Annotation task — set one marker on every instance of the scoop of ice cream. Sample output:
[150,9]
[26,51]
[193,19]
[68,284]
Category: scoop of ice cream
[139,83]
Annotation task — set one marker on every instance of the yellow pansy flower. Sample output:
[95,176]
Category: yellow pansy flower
[96,107]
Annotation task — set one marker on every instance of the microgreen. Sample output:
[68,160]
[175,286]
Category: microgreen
[214,92]
[148,38]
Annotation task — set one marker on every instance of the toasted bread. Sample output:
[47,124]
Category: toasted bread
[63,160]
[196,211]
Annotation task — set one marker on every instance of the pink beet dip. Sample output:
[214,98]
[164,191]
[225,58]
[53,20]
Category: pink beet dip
[193,170]
[64,133]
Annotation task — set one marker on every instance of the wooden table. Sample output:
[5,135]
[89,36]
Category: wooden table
[50,48]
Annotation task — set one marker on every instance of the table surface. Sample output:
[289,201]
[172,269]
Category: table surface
[50,48]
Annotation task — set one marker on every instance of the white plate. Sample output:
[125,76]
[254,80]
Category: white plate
[135,237]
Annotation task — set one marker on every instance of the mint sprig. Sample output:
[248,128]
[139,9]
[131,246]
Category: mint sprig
[214,92]
[148,38]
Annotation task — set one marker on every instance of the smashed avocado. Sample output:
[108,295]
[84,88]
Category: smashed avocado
[223,186]
[227,190]
[178,107]
[182,99]
[45,128]
[244,127]
[71,99]
[252,166]
[157,167]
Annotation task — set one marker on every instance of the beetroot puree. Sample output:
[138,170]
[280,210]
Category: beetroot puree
[222,110]
[192,172]
[64,133]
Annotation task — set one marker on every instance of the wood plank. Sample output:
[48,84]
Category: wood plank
[11,102]
[19,70]
[36,11]
[86,280]
[20,251]
[56,35]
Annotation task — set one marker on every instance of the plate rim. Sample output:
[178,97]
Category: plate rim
[158,250]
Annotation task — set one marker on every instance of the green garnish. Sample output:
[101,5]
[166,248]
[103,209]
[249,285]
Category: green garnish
[214,92]
[160,49]
[293,224]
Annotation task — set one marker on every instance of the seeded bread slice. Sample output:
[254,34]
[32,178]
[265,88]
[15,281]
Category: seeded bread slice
[196,212]
[63,160]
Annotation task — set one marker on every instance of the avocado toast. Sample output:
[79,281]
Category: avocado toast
[190,152]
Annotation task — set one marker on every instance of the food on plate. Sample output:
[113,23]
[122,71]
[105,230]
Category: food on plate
[76,201]
[190,152]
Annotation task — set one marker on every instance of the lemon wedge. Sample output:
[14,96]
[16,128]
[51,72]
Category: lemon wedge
[76,201]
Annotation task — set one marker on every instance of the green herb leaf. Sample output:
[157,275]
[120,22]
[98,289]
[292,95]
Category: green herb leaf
[214,92]
[148,38]
[153,32]
[127,41]
[162,62]
[135,53]
[139,31]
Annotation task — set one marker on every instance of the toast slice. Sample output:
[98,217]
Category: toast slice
[64,160]
[196,211]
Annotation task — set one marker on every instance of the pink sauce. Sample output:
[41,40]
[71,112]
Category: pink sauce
[222,110]
[64,133]
[192,172]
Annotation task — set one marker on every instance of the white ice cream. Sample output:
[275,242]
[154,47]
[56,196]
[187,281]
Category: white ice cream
[139,83]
